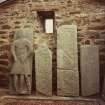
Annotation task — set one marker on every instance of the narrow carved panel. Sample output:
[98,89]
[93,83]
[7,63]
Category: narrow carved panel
[43,65]
[89,69]
[67,61]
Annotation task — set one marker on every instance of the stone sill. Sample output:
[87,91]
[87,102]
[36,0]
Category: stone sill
[4,95]
[32,97]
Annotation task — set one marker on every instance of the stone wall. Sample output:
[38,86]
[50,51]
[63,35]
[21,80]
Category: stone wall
[88,15]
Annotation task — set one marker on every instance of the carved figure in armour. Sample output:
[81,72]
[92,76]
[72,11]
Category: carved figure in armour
[20,75]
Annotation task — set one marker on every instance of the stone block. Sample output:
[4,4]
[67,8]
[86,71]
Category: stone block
[97,26]
[4,62]
[3,32]
[89,69]
[43,65]
[6,27]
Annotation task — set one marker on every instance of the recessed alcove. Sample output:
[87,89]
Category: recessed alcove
[47,20]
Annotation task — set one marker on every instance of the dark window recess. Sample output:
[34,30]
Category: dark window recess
[47,20]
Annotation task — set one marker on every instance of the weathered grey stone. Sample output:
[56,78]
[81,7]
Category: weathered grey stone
[18,34]
[28,33]
[20,75]
[67,61]
[67,47]
[24,33]
[43,65]
[68,84]
[21,51]
[89,69]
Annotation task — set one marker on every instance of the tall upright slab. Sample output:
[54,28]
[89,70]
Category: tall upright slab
[21,70]
[89,69]
[67,61]
[43,65]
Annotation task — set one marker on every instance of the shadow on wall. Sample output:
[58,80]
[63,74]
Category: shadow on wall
[102,2]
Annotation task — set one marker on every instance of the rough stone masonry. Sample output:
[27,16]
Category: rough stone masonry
[88,15]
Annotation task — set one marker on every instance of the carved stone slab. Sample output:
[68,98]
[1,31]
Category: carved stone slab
[43,65]
[67,47]
[89,69]
[68,83]
[22,52]
[67,61]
